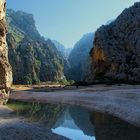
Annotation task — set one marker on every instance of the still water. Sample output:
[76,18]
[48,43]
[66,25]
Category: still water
[77,123]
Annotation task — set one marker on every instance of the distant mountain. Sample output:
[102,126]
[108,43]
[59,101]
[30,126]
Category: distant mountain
[79,58]
[67,52]
[61,48]
[32,58]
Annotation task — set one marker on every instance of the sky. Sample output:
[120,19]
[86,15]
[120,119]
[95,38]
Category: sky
[68,20]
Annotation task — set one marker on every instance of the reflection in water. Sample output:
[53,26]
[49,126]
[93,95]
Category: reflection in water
[64,120]
[68,127]
[112,128]
[46,114]
[81,118]
[77,123]
[72,134]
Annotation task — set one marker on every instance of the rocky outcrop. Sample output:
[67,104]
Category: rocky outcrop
[116,52]
[79,58]
[5,69]
[33,59]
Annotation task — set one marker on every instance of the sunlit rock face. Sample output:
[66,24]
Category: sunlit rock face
[5,69]
[116,52]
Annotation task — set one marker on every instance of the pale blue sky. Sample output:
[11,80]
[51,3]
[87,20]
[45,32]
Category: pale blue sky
[67,20]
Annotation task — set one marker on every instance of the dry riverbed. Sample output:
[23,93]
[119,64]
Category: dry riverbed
[121,101]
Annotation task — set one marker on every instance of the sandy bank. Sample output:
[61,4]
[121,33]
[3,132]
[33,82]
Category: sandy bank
[121,101]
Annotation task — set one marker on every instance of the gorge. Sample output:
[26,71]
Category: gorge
[33,59]
[88,92]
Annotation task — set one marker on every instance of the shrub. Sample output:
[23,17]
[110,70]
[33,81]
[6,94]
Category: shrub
[27,80]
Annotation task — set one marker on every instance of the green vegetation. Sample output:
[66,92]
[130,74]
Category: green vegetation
[17,35]
[61,82]
[20,106]
[66,82]
[38,63]
[27,80]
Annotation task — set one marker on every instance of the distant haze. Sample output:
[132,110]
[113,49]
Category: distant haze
[67,20]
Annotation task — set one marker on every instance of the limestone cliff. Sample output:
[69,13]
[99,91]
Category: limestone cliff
[79,58]
[116,52]
[5,69]
[33,59]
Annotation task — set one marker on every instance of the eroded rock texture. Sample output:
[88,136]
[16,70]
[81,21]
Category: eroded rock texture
[116,52]
[5,69]
[33,58]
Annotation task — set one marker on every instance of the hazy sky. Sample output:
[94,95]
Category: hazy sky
[67,20]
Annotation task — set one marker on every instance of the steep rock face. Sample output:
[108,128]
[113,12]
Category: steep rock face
[24,22]
[33,59]
[61,48]
[79,58]
[5,69]
[116,52]
[65,52]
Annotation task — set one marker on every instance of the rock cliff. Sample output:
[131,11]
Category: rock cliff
[5,69]
[116,52]
[79,58]
[33,59]
[61,48]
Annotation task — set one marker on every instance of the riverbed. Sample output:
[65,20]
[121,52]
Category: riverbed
[99,112]
[122,101]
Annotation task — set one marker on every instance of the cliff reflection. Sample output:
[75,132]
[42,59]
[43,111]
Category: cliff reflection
[70,121]
[111,128]
[76,122]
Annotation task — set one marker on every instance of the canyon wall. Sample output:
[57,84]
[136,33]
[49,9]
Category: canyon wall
[116,52]
[79,58]
[5,68]
[33,58]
